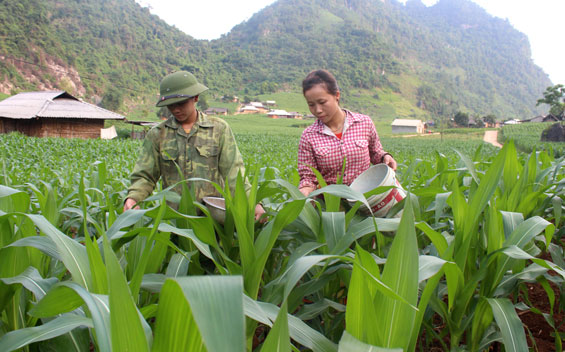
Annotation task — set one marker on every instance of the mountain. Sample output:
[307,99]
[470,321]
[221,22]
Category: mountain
[94,49]
[406,59]
[452,54]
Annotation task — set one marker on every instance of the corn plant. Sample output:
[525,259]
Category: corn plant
[76,273]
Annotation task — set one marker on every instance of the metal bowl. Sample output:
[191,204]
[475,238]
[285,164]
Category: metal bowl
[217,208]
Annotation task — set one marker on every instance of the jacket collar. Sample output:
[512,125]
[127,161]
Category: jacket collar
[201,121]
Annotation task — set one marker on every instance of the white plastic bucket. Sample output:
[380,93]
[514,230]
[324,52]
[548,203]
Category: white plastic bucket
[379,175]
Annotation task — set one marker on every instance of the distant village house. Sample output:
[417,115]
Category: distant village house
[407,126]
[249,109]
[283,114]
[546,118]
[278,114]
[262,108]
[512,122]
[53,114]
[216,111]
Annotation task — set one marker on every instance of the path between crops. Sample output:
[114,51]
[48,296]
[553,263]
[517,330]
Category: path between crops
[419,135]
[492,138]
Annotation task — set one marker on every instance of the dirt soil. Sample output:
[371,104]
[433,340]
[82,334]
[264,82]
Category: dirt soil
[492,138]
[539,329]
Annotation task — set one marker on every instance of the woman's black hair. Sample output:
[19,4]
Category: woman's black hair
[320,77]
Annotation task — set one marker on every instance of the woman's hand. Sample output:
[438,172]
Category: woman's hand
[389,161]
[307,190]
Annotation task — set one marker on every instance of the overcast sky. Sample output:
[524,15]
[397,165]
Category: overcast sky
[543,21]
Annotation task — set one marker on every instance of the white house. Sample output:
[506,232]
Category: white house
[407,126]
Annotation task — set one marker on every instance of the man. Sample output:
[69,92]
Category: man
[200,146]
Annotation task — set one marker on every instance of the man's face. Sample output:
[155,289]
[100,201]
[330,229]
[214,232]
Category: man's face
[184,111]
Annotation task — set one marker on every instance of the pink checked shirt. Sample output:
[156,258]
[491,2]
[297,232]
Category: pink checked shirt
[321,149]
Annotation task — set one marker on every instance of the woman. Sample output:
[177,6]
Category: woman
[337,134]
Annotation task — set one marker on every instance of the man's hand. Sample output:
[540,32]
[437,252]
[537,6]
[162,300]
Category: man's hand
[130,203]
[259,211]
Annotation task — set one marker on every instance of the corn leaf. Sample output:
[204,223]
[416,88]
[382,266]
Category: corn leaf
[56,327]
[67,296]
[32,280]
[97,267]
[299,331]
[360,311]
[333,227]
[265,242]
[395,319]
[145,255]
[13,200]
[348,343]
[363,228]
[178,266]
[127,330]
[278,338]
[216,304]
[43,243]
[175,328]
[520,237]
[72,253]
[509,323]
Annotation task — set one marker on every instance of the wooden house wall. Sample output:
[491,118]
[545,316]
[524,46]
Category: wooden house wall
[51,127]
[71,128]
[13,125]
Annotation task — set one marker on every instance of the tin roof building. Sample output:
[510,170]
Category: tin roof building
[53,114]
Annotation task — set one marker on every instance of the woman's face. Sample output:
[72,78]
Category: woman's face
[323,104]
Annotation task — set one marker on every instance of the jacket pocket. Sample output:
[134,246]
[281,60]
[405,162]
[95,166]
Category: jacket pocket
[208,151]
[206,164]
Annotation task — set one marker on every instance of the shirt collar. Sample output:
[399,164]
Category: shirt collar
[350,118]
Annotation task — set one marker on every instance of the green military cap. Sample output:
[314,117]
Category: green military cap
[179,86]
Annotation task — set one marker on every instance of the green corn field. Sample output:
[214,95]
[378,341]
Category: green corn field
[478,226]
[528,138]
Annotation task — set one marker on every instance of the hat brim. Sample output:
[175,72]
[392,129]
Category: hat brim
[187,93]
[170,101]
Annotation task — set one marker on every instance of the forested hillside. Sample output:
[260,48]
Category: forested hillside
[99,49]
[440,59]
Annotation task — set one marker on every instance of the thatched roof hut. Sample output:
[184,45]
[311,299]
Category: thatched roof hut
[53,114]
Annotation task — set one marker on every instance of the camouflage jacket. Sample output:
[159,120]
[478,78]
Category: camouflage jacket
[209,151]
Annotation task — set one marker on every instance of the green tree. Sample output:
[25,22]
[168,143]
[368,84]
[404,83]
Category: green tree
[112,100]
[479,122]
[203,102]
[555,98]
[461,119]
[490,119]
